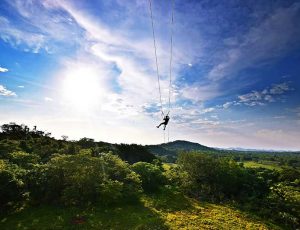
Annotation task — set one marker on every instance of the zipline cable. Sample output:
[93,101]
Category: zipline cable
[171,53]
[170,64]
[154,44]
[171,59]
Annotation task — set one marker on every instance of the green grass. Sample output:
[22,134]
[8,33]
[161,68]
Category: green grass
[267,165]
[164,210]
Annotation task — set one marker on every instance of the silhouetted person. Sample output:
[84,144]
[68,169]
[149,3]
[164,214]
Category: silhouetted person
[165,122]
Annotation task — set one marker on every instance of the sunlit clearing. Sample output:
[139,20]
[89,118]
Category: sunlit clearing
[81,88]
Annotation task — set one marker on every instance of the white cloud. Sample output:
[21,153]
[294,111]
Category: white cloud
[253,96]
[5,92]
[269,98]
[227,104]
[277,34]
[279,117]
[263,97]
[3,70]
[21,86]
[208,110]
[42,26]
[48,99]
[16,36]
[279,88]
[278,138]
[200,92]
[134,58]
[114,48]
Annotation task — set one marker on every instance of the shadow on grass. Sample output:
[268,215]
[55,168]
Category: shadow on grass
[168,200]
[133,216]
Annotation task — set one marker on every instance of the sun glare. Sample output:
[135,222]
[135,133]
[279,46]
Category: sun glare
[82,88]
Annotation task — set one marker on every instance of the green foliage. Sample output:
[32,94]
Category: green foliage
[289,175]
[213,178]
[269,193]
[284,204]
[12,190]
[159,211]
[83,179]
[134,153]
[87,142]
[176,176]
[38,169]
[23,159]
[151,175]
[7,146]
[252,164]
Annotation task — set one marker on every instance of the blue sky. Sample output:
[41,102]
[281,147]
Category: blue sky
[87,69]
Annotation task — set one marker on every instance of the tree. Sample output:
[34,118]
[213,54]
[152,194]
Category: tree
[12,190]
[64,137]
[134,153]
[151,175]
[23,159]
[289,175]
[215,178]
[81,179]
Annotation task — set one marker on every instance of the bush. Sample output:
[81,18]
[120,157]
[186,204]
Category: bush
[134,153]
[23,159]
[176,176]
[151,175]
[82,179]
[12,191]
[289,175]
[7,146]
[284,204]
[216,178]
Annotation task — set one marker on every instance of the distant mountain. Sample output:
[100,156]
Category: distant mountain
[170,150]
[239,149]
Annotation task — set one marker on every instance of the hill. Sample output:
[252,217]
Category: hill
[170,150]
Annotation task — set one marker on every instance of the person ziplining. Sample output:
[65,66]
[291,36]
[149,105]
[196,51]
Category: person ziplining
[165,122]
[166,118]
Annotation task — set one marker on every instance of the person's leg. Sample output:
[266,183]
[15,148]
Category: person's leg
[160,124]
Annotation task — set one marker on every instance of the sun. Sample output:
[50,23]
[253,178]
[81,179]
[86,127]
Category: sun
[82,88]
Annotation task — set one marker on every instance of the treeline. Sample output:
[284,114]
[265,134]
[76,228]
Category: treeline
[36,169]
[290,159]
[268,193]
[16,137]
[169,153]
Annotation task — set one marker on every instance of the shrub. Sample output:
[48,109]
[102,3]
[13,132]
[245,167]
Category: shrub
[23,159]
[12,191]
[289,175]
[216,178]
[82,179]
[151,175]
[284,204]
[134,153]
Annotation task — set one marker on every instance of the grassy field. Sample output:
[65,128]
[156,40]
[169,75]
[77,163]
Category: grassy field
[252,164]
[165,210]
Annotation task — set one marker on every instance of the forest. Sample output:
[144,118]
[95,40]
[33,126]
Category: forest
[49,183]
